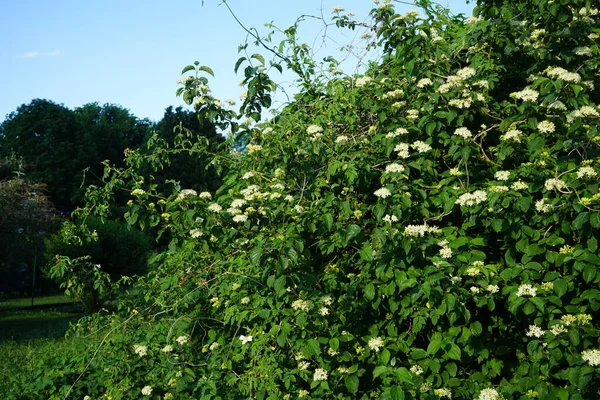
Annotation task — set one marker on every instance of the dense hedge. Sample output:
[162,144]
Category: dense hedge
[427,230]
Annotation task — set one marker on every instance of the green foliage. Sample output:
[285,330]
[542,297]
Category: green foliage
[26,216]
[59,146]
[91,269]
[427,230]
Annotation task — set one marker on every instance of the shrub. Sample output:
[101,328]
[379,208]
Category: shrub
[426,230]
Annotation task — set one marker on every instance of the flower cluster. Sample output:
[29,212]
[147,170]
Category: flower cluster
[526,290]
[471,199]
[592,357]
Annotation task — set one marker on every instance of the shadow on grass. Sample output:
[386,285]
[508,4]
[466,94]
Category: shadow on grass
[37,324]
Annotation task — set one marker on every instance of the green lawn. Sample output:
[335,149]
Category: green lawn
[27,338]
[57,299]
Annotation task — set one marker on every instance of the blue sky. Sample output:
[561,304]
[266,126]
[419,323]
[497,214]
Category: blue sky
[131,52]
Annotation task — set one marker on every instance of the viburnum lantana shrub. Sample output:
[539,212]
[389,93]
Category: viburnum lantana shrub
[426,230]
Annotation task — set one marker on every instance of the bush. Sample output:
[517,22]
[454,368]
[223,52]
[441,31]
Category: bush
[426,230]
[112,251]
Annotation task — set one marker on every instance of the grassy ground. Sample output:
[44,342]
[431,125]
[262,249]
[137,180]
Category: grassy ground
[9,304]
[27,337]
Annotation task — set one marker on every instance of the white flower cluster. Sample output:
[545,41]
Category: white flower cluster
[416,369]
[196,233]
[394,168]
[411,115]
[546,127]
[390,218]
[245,339]
[513,135]
[492,289]
[420,146]
[527,94]
[140,350]
[376,344]
[205,195]
[463,132]
[502,175]
[341,139]
[519,185]
[382,193]
[562,74]
[471,199]
[586,172]
[535,331]
[555,184]
[363,80]
[397,132]
[402,150]
[420,230]
[489,394]
[183,339]
[526,290]
[214,207]
[424,83]
[186,192]
[592,357]
[542,206]
[147,390]
[445,251]
[254,148]
[320,375]
[558,329]
[303,305]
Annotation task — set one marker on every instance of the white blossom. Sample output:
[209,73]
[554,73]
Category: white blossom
[382,192]
[592,357]
[320,375]
[376,344]
[245,339]
[147,390]
[526,290]
[535,331]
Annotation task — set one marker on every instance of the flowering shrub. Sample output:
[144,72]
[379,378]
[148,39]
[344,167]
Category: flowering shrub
[427,230]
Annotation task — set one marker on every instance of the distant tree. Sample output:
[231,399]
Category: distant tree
[108,130]
[64,148]
[189,170]
[47,136]
[26,216]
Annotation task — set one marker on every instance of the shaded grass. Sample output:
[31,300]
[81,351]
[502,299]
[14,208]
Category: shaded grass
[29,338]
[25,302]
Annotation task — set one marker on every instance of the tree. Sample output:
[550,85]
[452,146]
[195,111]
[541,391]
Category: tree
[64,148]
[190,170]
[47,136]
[26,216]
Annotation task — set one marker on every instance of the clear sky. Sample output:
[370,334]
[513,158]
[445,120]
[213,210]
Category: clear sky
[131,52]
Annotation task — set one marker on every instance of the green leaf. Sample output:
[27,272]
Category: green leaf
[188,68]
[206,69]
[238,63]
[379,370]
[352,231]
[334,343]
[312,348]
[351,382]
[396,393]
[370,291]
[589,273]
[328,221]
[258,57]
[454,352]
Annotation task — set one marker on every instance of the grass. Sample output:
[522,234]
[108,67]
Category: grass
[28,337]
[9,304]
